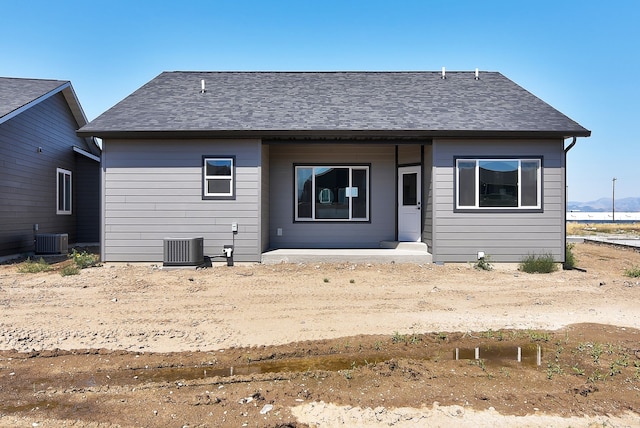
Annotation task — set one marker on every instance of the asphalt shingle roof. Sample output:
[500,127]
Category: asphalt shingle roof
[16,92]
[317,103]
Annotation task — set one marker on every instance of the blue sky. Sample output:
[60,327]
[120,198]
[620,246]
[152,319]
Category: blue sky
[580,56]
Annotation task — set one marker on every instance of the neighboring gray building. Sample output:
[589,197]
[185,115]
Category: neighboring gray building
[465,162]
[50,177]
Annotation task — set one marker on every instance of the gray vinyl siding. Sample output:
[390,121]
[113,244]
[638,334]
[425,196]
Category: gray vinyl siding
[28,177]
[264,199]
[332,234]
[427,204]
[504,236]
[153,190]
[87,190]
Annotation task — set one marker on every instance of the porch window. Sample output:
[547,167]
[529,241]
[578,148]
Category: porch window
[218,177]
[63,193]
[498,184]
[332,193]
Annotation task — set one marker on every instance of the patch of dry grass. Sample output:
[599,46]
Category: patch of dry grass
[574,228]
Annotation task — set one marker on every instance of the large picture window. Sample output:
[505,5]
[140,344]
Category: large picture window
[498,184]
[63,192]
[332,193]
[219,177]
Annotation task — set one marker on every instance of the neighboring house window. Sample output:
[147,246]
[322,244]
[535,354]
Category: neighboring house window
[63,191]
[332,193]
[498,184]
[219,177]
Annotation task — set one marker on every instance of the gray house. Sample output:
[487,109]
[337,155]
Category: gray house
[50,176]
[464,162]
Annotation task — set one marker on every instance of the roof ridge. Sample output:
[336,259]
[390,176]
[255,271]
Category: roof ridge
[325,72]
[34,79]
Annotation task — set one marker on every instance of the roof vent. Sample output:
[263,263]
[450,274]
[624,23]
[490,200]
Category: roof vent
[202,89]
[444,75]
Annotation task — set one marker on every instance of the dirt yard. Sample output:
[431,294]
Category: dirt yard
[322,345]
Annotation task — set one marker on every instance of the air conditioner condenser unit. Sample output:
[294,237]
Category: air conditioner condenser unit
[52,243]
[183,251]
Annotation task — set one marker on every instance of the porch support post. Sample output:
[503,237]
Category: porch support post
[396,192]
[422,186]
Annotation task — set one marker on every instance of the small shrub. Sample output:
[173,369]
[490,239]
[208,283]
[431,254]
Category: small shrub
[83,260]
[70,270]
[596,376]
[596,352]
[398,338]
[488,334]
[537,336]
[484,263]
[29,266]
[414,339]
[480,363]
[538,264]
[553,369]
[633,272]
[623,361]
[80,261]
[348,374]
[614,369]
[570,258]
[442,337]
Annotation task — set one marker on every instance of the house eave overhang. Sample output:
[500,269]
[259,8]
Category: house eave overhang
[78,113]
[86,154]
[284,135]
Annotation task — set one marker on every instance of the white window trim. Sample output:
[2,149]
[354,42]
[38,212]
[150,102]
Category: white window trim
[65,172]
[477,206]
[348,193]
[206,178]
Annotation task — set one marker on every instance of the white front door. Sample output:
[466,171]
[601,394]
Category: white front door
[409,203]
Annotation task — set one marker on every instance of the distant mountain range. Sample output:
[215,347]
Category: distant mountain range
[604,205]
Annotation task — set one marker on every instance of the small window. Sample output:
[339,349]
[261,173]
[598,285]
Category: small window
[63,193]
[410,189]
[332,193]
[219,177]
[498,183]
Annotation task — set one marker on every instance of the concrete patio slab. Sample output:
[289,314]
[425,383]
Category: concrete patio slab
[398,252]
